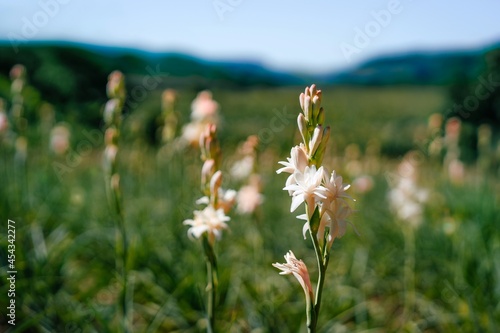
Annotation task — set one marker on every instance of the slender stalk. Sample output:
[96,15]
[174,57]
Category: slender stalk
[321,281]
[211,283]
[311,314]
[322,258]
[409,272]
[121,258]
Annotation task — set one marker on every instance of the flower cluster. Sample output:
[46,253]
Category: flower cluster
[112,118]
[324,195]
[245,170]
[406,198]
[170,117]
[212,219]
[310,182]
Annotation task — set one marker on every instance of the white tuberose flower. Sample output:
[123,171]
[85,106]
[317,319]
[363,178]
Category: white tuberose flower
[335,186]
[307,188]
[298,269]
[207,220]
[297,162]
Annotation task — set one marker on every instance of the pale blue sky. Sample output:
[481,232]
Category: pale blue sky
[294,35]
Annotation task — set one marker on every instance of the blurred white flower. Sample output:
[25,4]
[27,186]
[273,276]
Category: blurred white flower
[204,108]
[109,158]
[208,221]
[406,200]
[249,198]
[362,184]
[59,139]
[226,199]
[192,132]
[243,168]
[299,270]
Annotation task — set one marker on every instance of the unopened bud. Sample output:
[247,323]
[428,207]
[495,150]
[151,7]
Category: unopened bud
[302,124]
[116,85]
[315,140]
[307,107]
[316,104]
[207,171]
[301,100]
[312,89]
[215,184]
[110,153]
[112,112]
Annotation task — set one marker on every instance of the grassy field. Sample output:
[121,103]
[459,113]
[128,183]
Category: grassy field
[443,276]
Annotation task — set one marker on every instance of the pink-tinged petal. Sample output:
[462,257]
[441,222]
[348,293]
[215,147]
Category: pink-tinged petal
[315,140]
[311,205]
[299,270]
[299,158]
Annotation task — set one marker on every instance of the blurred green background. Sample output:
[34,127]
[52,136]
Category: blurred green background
[448,265]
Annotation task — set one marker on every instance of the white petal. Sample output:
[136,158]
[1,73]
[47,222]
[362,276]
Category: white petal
[296,201]
[305,228]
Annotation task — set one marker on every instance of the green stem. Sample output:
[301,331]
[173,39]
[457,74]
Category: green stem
[409,272]
[322,257]
[212,283]
[311,314]
[122,254]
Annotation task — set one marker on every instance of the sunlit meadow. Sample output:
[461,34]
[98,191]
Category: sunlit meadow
[421,253]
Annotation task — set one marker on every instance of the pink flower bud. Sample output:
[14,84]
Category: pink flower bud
[215,183]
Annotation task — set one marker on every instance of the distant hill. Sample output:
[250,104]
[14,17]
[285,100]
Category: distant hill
[421,68]
[74,73]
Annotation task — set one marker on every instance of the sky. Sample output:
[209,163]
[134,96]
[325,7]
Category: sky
[293,35]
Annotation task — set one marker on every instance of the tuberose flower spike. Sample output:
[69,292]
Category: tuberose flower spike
[323,193]
[219,201]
